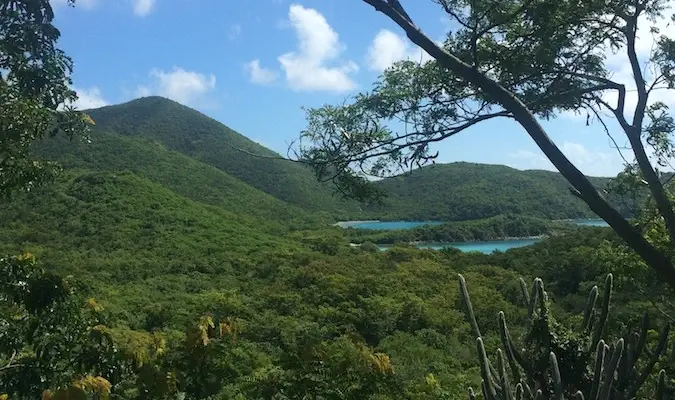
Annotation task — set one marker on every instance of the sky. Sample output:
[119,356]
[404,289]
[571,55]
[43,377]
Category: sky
[254,64]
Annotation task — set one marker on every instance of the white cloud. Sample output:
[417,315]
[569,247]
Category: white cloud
[258,74]
[89,98]
[316,65]
[186,87]
[388,47]
[143,7]
[621,72]
[588,162]
[234,32]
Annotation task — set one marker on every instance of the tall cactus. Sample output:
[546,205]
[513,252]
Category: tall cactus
[557,363]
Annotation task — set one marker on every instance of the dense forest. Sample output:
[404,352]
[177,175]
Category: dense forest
[154,128]
[149,252]
[491,190]
[209,287]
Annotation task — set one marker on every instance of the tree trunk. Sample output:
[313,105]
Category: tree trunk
[658,261]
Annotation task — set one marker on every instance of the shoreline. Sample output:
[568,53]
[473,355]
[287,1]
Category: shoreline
[504,239]
[347,224]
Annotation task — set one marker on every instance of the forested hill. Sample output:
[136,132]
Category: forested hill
[198,157]
[465,191]
[187,131]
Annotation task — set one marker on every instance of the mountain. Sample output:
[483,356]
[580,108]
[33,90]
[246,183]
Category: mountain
[193,134]
[200,158]
[466,191]
[187,177]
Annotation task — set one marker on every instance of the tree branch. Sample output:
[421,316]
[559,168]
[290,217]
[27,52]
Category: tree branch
[657,260]
[634,132]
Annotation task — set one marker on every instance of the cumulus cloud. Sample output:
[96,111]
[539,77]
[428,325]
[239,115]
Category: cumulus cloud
[143,7]
[589,162]
[388,47]
[186,87]
[258,74]
[316,65]
[89,98]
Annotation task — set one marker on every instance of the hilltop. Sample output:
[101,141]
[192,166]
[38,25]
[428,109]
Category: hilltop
[467,191]
[203,159]
[193,134]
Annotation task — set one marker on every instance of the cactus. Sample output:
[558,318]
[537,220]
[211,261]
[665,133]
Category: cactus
[557,363]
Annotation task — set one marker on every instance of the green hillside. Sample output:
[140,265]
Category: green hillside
[126,235]
[192,133]
[198,157]
[187,177]
[467,191]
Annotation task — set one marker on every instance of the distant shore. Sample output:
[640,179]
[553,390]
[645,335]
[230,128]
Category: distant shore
[503,239]
[347,224]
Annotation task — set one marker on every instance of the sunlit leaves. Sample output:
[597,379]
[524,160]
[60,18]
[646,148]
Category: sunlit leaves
[34,93]
[658,133]
[46,336]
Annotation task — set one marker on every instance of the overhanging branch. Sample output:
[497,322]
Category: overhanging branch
[657,260]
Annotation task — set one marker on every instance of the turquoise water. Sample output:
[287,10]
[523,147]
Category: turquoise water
[483,247]
[395,225]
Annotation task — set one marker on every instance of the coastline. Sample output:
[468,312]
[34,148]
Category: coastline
[347,224]
[502,239]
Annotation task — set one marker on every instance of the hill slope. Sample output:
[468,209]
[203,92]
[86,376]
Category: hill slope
[125,236]
[191,133]
[187,177]
[465,191]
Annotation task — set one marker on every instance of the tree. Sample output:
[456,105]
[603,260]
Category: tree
[35,95]
[518,59]
[50,338]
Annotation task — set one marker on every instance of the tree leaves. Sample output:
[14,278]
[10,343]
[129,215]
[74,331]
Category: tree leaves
[34,93]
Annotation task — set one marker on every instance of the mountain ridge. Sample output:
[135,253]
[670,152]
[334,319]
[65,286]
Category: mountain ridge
[457,191]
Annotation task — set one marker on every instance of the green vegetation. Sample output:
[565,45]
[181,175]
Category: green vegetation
[34,79]
[500,227]
[465,191]
[148,136]
[178,128]
[523,61]
[185,176]
[164,264]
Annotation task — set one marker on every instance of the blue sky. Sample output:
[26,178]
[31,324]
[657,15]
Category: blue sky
[252,64]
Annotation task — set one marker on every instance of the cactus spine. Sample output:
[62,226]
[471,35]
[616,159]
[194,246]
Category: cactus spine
[536,372]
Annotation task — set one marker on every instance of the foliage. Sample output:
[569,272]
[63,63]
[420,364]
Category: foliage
[50,337]
[111,152]
[34,84]
[557,362]
[178,128]
[466,191]
[519,60]
[281,316]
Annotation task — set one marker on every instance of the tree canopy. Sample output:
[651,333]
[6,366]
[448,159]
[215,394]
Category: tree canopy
[35,94]
[525,60]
